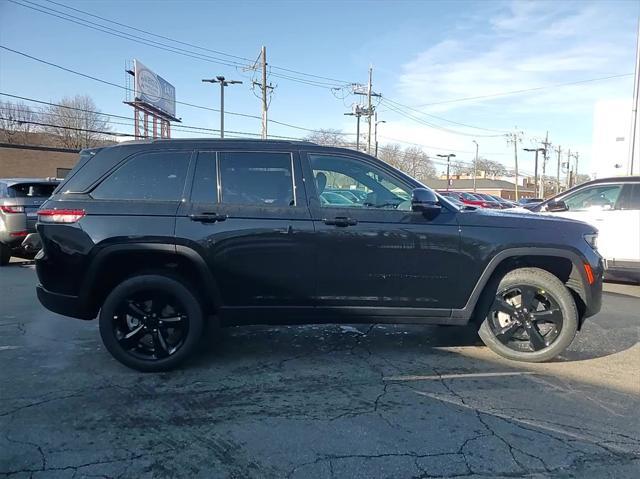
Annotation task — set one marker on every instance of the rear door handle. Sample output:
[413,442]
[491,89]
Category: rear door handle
[207,217]
[341,221]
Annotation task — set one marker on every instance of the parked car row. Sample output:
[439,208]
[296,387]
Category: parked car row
[481,200]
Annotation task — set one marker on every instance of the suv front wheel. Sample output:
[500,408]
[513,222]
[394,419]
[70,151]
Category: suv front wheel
[533,317]
[151,322]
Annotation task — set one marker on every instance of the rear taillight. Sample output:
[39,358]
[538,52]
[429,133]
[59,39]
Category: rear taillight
[60,216]
[12,209]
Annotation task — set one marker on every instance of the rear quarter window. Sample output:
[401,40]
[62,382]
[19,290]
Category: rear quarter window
[153,176]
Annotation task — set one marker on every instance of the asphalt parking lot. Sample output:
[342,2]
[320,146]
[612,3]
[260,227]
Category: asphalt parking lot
[316,401]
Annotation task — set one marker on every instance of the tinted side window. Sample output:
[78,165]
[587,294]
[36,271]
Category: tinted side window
[630,198]
[350,183]
[205,187]
[598,197]
[155,176]
[256,179]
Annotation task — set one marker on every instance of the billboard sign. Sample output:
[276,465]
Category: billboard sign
[154,90]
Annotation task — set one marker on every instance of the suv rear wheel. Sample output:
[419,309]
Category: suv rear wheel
[533,317]
[151,322]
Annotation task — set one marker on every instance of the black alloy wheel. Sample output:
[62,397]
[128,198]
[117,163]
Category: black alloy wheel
[526,318]
[150,325]
[151,322]
[533,316]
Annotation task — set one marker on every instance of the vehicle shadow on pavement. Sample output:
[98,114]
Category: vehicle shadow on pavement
[276,343]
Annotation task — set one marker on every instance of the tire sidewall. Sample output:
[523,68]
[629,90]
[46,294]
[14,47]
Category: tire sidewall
[552,285]
[145,283]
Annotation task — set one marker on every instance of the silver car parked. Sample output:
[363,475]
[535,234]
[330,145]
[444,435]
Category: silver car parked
[20,199]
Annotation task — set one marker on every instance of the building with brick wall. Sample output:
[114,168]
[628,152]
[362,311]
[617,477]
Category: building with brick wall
[25,161]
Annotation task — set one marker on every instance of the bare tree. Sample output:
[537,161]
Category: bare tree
[391,154]
[16,122]
[79,125]
[416,163]
[328,137]
[489,167]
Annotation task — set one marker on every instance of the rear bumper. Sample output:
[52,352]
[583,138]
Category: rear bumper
[63,304]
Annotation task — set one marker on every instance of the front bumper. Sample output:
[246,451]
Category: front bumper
[64,304]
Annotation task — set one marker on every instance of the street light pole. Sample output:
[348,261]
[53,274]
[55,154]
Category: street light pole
[475,166]
[375,132]
[448,156]
[223,83]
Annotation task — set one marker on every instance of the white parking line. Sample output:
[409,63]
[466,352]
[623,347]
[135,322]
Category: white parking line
[529,422]
[458,376]
[2,348]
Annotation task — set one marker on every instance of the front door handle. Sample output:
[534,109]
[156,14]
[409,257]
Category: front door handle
[341,221]
[207,217]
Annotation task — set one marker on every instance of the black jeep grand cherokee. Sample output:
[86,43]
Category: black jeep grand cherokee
[155,237]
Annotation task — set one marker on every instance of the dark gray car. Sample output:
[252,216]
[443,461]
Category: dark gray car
[20,199]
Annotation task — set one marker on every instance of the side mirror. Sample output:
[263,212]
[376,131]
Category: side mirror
[557,206]
[426,202]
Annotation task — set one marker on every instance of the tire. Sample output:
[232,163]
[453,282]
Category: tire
[5,254]
[507,328]
[117,314]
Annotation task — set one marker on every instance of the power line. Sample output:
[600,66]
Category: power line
[526,90]
[432,125]
[153,43]
[55,65]
[180,128]
[218,52]
[69,70]
[400,105]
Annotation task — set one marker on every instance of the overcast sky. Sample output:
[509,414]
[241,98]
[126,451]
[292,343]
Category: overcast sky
[424,54]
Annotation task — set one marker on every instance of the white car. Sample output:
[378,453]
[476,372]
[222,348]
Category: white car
[612,205]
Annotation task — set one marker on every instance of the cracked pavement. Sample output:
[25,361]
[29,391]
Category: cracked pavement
[316,401]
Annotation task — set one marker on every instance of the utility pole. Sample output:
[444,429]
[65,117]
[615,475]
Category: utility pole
[559,151]
[223,83]
[633,152]
[535,173]
[515,138]
[263,85]
[547,146]
[576,156]
[369,110]
[375,130]
[448,156]
[475,166]
[568,178]
[265,104]
[358,112]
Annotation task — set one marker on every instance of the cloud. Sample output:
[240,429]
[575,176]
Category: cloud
[527,45]
[518,46]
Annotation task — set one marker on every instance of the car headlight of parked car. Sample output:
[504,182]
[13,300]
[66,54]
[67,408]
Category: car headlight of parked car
[592,239]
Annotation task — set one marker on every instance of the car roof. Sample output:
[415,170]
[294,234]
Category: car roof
[597,181]
[216,142]
[17,181]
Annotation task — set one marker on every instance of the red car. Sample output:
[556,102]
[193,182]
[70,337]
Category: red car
[469,199]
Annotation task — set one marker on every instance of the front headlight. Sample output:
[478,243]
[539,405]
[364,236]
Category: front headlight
[592,239]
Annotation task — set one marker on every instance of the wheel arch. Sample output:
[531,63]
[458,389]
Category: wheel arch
[113,264]
[566,265]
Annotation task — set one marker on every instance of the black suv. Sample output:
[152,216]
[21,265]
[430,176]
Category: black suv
[156,237]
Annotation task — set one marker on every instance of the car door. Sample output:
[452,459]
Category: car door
[598,205]
[247,217]
[376,252]
[625,220]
